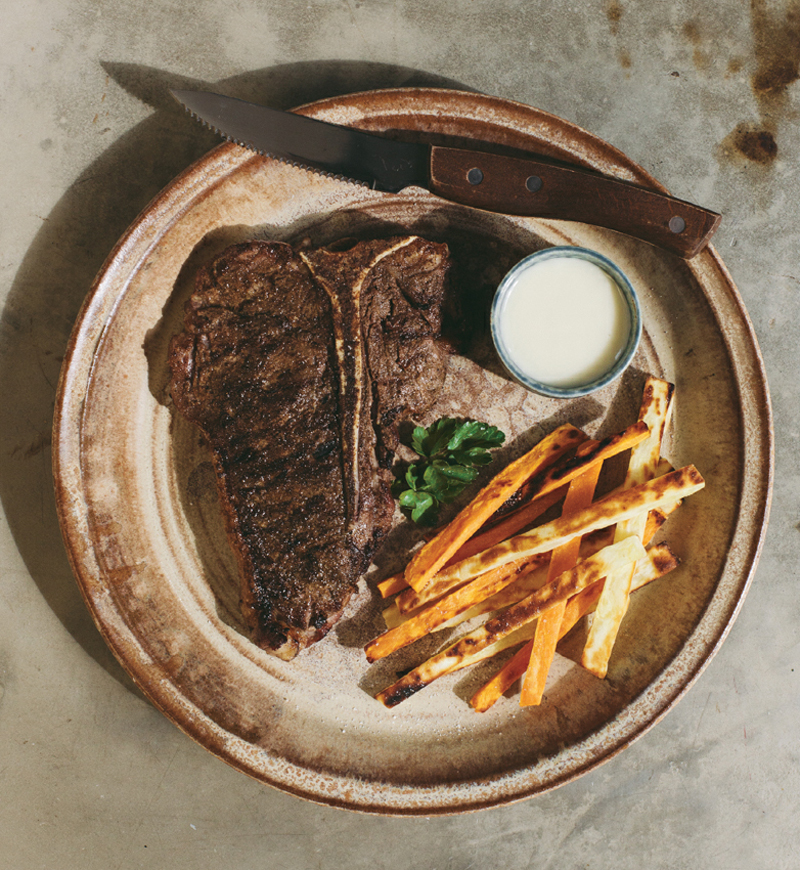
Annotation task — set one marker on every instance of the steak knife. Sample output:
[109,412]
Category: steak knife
[480,179]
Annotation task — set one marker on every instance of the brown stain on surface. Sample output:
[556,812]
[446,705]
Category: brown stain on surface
[700,57]
[776,43]
[735,65]
[614,15]
[776,50]
[751,142]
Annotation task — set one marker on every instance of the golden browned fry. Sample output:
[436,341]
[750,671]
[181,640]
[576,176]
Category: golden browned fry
[433,555]
[545,639]
[525,576]
[507,527]
[565,585]
[660,561]
[527,581]
[395,583]
[613,508]
[589,453]
[547,490]
[434,615]
[510,525]
[656,409]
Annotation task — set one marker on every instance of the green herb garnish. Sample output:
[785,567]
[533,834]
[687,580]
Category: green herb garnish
[450,451]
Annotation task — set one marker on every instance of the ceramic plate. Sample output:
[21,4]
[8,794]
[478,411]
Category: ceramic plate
[143,529]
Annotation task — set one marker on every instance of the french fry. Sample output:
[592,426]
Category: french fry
[518,519]
[524,575]
[529,581]
[435,553]
[655,411]
[564,586]
[433,616]
[545,639]
[613,508]
[526,582]
[660,561]
[588,455]
[410,601]
[507,527]
[392,584]
[536,582]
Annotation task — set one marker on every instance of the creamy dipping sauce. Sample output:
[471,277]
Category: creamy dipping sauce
[563,322]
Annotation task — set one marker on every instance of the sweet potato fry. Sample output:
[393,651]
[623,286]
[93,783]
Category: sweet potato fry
[425,564]
[529,574]
[589,453]
[491,692]
[507,527]
[655,411]
[613,508]
[434,615]
[433,555]
[529,581]
[579,496]
[565,585]
[526,582]
[510,525]
[660,561]
[391,585]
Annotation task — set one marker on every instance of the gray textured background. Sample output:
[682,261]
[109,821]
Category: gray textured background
[703,95]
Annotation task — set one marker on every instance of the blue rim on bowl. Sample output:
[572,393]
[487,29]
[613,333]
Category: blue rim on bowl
[621,362]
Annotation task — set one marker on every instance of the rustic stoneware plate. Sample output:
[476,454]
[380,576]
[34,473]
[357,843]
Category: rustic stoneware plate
[143,529]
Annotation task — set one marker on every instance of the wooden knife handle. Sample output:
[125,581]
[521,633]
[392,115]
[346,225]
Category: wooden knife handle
[529,187]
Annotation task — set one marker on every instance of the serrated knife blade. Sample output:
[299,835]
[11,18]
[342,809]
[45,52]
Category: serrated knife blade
[476,178]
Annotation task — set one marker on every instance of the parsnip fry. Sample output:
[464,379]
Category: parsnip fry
[655,411]
[434,615]
[522,587]
[585,457]
[530,574]
[507,527]
[526,582]
[565,585]
[579,496]
[433,555]
[613,508]
[660,561]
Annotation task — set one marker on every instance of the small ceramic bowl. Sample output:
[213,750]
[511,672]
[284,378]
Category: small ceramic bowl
[565,322]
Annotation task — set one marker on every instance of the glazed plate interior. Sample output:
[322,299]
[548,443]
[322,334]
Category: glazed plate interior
[143,528]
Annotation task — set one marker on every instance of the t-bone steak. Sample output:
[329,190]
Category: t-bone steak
[298,365]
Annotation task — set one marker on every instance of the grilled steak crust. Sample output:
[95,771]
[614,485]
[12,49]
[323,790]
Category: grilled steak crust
[298,366]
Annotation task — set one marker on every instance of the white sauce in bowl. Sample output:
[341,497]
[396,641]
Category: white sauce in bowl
[563,322]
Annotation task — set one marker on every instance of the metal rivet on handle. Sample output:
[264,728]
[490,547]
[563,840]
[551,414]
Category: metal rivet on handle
[533,183]
[677,224]
[475,176]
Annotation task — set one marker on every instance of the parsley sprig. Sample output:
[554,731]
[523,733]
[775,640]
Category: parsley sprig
[451,451]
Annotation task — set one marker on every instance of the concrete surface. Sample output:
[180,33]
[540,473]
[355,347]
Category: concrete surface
[703,95]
